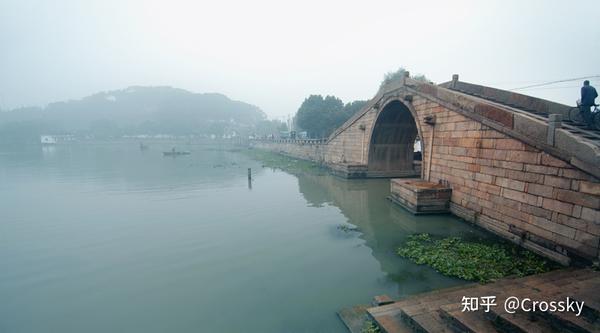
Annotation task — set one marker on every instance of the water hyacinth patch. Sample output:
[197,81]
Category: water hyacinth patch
[474,261]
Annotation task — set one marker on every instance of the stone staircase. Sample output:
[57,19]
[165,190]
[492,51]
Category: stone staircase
[441,310]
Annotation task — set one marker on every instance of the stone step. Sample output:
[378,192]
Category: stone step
[569,322]
[454,295]
[441,311]
[354,317]
[519,322]
[382,300]
[576,288]
[427,296]
[580,291]
[393,323]
[467,321]
[551,290]
[422,311]
[556,275]
[429,322]
[591,303]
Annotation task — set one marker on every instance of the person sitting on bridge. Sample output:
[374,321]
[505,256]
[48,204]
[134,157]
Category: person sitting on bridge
[588,96]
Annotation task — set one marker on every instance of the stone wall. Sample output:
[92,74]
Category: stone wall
[512,188]
[351,146]
[302,149]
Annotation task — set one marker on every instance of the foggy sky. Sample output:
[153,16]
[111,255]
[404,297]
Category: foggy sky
[273,54]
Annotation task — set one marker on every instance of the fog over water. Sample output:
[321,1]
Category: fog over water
[273,54]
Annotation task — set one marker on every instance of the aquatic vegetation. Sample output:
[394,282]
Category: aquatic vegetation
[282,162]
[347,228]
[370,327]
[474,261]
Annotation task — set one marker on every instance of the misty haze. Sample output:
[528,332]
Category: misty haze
[299,167]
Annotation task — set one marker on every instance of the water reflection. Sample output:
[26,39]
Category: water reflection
[384,226]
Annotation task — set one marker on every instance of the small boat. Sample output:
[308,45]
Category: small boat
[48,140]
[175,153]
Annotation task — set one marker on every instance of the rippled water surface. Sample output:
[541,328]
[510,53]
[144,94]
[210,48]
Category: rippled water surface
[108,238]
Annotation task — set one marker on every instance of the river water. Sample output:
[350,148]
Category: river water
[109,238]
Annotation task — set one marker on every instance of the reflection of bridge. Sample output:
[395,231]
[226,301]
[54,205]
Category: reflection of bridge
[383,226]
[513,166]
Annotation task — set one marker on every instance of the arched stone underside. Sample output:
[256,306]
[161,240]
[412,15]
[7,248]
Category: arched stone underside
[391,147]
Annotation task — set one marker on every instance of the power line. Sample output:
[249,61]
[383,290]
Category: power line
[557,81]
[561,87]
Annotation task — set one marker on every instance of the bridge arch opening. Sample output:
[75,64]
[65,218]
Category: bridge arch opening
[394,148]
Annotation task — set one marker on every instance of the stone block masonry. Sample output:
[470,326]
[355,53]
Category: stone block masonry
[512,188]
[420,197]
[505,183]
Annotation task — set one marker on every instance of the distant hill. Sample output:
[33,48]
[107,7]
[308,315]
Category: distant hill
[134,110]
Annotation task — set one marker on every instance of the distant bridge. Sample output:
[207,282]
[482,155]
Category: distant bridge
[514,167]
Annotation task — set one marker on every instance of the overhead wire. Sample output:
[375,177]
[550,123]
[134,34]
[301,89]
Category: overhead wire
[554,82]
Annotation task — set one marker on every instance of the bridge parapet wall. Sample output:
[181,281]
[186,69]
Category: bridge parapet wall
[509,98]
[535,132]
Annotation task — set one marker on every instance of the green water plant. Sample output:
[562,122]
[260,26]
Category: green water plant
[473,260]
[370,327]
[282,162]
[347,228]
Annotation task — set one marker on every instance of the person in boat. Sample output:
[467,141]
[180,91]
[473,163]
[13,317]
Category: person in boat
[173,150]
[588,97]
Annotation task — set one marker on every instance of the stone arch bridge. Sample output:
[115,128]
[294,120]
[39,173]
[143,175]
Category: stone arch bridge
[514,167]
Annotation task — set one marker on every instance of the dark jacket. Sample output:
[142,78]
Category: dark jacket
[588,95]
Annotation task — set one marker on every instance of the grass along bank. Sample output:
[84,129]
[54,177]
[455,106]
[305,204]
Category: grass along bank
[282,162]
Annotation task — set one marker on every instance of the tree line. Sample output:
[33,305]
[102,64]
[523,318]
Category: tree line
[319,116]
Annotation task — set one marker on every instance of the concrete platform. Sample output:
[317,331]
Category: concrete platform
[357,171]
[349,171]
[420,197]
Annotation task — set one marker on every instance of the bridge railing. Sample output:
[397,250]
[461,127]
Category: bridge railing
[294,141]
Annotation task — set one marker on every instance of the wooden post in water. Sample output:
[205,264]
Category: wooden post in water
[249,178]
[430,120]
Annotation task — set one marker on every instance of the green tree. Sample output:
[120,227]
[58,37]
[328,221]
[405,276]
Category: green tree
[317,115]
[321,116]
[353,107]
[397,75]
[270,127]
